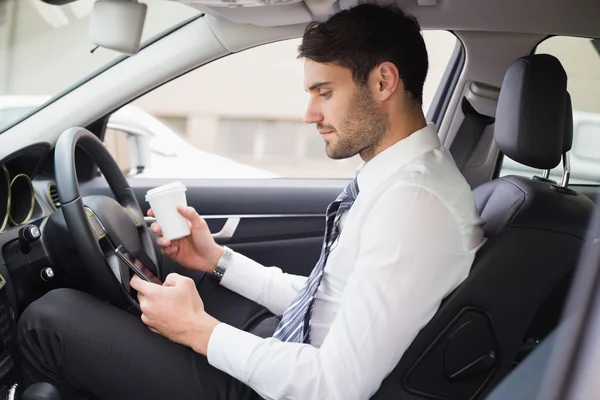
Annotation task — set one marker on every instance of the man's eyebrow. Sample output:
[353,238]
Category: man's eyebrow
[317,85]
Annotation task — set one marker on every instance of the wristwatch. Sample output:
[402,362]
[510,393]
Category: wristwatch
[222,264]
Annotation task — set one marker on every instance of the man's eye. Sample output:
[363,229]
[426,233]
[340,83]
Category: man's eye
[325,94]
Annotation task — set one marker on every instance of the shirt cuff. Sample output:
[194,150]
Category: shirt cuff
[245,276]
[229,350]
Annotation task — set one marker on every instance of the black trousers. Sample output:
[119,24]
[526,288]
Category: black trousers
[89,349]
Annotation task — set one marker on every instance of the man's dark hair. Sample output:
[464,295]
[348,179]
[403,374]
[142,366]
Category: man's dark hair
[364,36]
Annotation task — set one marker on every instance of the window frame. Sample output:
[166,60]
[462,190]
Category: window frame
[441,100]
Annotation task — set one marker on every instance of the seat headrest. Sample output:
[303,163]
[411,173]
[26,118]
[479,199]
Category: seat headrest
[568,133]
[530,117]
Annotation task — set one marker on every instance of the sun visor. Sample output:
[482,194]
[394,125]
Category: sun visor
[117,25]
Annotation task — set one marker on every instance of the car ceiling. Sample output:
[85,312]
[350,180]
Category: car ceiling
[557,17]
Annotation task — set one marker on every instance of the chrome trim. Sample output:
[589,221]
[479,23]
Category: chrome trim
[567,169]
[32,201]
[135,219]
[2,281]
[150,220]
[92,216]
[12,392]
[4,221]
[546,174]
[232,221]
[256,216]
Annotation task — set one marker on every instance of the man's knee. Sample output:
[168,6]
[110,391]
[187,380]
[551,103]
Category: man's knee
[48,311]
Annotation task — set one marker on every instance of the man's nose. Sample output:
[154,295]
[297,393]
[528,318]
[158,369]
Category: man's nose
[312,115]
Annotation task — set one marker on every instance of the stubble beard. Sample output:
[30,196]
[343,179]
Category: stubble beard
[363,128]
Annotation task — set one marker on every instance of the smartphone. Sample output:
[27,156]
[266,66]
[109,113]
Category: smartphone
[136,265]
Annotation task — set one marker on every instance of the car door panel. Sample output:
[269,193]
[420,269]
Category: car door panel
[277,221]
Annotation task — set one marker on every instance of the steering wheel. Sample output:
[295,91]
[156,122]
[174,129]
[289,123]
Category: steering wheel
[99,224]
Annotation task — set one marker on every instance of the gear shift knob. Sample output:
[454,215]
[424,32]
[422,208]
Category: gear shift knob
[41,391]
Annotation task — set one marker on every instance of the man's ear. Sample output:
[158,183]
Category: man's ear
[387,81]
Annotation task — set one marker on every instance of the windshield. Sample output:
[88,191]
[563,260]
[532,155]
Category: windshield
[45,49]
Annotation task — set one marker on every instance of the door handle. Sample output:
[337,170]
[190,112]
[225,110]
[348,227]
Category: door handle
[228,229]
[226,232]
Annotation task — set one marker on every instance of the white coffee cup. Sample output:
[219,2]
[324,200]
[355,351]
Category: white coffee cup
[164,201]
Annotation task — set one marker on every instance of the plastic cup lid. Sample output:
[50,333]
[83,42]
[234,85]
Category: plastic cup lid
[169,187]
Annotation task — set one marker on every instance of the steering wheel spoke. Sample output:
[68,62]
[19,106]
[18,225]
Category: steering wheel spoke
[136,221]
[95,223]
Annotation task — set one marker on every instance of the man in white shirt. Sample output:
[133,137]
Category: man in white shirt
[399,239]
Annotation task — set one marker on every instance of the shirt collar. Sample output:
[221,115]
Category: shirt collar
[379,168]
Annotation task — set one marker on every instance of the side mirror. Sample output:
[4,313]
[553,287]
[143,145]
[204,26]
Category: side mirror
[129,146]
[162,146]
[132,147]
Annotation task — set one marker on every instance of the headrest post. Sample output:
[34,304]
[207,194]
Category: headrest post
[567,169]
[546,174]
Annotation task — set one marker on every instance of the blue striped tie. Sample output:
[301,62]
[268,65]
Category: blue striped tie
[295,322]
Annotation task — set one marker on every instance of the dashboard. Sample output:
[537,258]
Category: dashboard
[19,202]
[27,196]
[37,250]
[29,266]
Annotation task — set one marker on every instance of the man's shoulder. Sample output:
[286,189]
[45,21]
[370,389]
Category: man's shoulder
[434,170]
[434,174]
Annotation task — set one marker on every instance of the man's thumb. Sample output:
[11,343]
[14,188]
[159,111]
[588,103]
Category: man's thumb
[190,214]
[172,279]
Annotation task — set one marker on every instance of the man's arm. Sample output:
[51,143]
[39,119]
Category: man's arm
[410,258]
[267,286]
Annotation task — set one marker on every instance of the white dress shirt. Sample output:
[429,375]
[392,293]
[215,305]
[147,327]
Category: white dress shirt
[408,240]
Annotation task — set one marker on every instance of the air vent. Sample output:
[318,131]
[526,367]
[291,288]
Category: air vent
[53,194]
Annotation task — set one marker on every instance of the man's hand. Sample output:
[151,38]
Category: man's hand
[175,310]
[198,251]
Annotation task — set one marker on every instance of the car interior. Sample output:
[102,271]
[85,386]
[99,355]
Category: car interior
[65,205]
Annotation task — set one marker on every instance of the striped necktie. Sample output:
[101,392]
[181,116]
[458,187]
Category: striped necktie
[295,322]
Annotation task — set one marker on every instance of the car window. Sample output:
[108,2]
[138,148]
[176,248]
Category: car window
[241,117]
[45,49]
[9,114]
[581,59]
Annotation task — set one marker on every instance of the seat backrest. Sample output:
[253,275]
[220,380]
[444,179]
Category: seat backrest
[534,229]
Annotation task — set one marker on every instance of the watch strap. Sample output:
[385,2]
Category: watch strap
[222,264]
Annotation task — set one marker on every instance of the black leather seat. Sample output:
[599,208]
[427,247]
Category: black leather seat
[535,230]
[547,316]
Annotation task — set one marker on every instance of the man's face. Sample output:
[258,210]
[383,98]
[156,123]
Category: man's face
[345,114]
